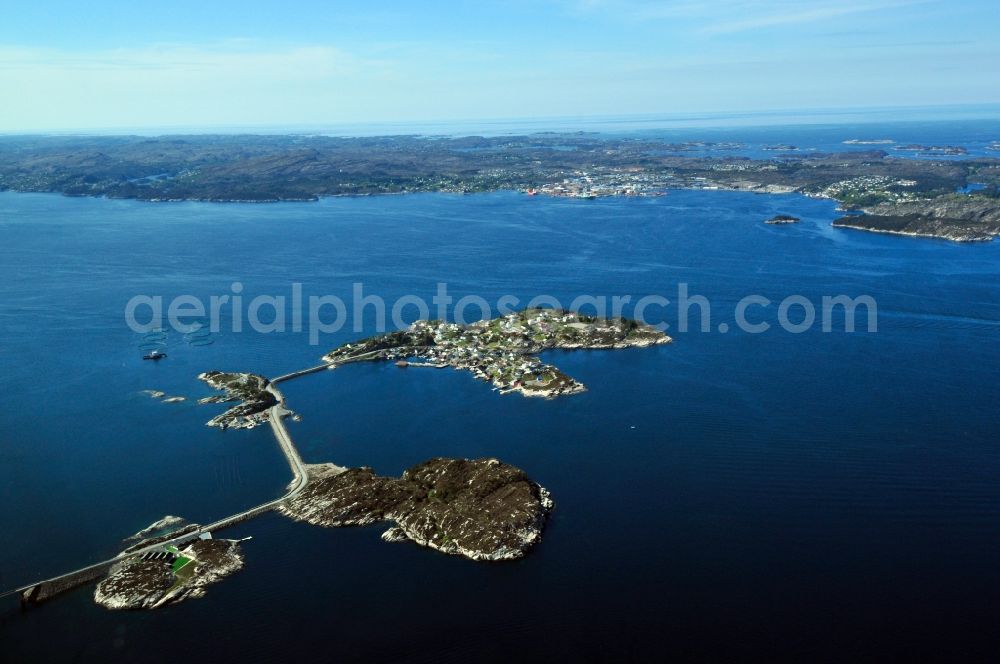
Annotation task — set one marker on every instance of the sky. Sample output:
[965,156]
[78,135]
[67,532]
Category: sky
[108,64]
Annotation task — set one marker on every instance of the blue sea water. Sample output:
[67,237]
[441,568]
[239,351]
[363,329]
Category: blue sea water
[816,495]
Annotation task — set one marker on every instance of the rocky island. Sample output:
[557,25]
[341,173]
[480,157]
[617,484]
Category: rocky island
[167,524]
[783,219]
[169,573]
[247,388]
[869,141]
[502,350]
[482,509]
[933,150]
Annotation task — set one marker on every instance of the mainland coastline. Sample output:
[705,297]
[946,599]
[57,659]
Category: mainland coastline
[905,188]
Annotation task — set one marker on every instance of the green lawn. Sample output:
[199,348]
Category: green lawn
[180,564]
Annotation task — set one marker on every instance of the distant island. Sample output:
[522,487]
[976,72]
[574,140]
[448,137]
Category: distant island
[904,195]
[933,150]
[874,141]
[783,219]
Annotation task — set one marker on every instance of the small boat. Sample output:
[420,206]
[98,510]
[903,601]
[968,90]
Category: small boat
[154,355]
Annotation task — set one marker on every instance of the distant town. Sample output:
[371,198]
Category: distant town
[912,189]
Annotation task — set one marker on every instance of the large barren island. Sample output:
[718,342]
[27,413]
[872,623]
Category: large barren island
[482,509]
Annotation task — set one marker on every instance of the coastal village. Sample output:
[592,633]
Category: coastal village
[502,350]
[868,188]
[610,182]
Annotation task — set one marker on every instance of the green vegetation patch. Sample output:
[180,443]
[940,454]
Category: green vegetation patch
[180,563]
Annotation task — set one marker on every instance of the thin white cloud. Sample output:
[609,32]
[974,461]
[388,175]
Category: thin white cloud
[231,57]
[732,16]
[796,14]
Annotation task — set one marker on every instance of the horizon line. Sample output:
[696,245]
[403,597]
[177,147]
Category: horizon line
[681,120]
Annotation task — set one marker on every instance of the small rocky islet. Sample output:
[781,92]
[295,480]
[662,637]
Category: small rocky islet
[162,396]
[167,574]
[783,219]
[167,524]
[247,388]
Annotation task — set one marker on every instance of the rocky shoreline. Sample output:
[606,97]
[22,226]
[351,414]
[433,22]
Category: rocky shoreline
[972,217]
[247,388]
[783,219]
[481,509]
[918,226]
[165,525]
[168,574]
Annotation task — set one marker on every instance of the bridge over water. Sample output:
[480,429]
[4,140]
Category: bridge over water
[39,591]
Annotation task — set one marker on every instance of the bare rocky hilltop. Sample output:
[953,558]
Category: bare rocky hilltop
[482,509]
